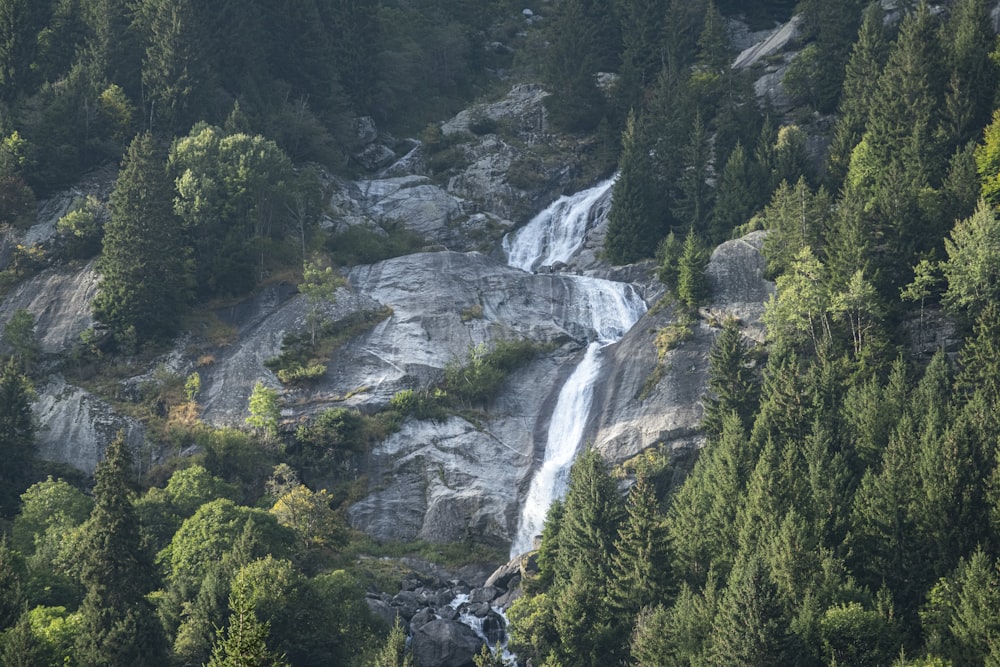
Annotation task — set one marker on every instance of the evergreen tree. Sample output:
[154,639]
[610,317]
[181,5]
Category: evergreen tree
[969,40]
[119,626]
[591,516]
[143,286]
[732,385]
[634,224]
[735,196]
[693,205]
[713,52]
[863,68]
[796,219]
[692,286]
[17,436]
[642,46]
[750,628]
[245,643]
[176,69]
[579,46]
[834,26]
[640,561]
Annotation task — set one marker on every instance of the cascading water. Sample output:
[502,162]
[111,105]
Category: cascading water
[554,235]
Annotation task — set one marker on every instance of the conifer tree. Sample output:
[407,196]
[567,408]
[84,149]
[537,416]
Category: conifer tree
[176,68]
[640,562]
[580,46]
[750,627]
[143,286]
[969,40]
[245,643]
[735,199]
[634,224]
[694,202]
[692,286]
[119,625]
[642,46]
[797,218]
[863,67]
[17,436]
[732,386]
[591,516]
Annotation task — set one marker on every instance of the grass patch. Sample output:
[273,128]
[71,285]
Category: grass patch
[472,313]
[303,360]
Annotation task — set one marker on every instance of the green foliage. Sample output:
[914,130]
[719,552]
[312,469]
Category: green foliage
[732,383]
[394,652]
[973,249]
[246,638]
[118,624]
[692,287]
[17,435]
[360,245]
[82,228]
[304,357]
[19,335]
[265,410]
[232,194]
[213,530]
[143,287]
[484,371]
[635,221]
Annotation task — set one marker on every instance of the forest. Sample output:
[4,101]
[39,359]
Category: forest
[845,509]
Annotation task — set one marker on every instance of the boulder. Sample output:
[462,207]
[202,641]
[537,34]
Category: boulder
[443,643]
[422,618]
[484,594]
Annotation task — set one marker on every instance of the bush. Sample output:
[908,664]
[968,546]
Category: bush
[363,245]
[484,371]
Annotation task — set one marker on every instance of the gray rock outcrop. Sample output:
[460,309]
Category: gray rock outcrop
[77,426]
[60,301]
[442,643]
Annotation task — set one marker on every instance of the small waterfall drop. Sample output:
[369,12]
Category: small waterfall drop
[554,235]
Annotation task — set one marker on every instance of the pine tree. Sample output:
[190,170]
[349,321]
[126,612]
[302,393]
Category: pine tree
[642,46]
[969,40]
[143,286]
[17,436]
[634,223]
[692,286]
[693,205]
[732,385]
[735,196]
[796,218]
[640,562]
[591,516]
[176,67]
[750,628]
[580,45]
[245,643]
[119,625]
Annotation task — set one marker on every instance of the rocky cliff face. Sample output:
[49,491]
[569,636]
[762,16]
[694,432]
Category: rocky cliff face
[438,481]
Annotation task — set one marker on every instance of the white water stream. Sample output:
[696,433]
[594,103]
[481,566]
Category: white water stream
[554,235]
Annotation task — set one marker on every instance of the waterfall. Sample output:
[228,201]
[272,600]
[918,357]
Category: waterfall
[556,233]
[553,236]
